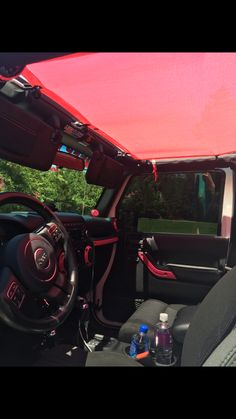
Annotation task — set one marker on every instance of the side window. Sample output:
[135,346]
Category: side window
[189,202]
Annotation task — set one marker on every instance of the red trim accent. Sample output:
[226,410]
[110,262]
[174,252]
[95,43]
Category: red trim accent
[86,256]
[52,228]
[94,212]
[14,286]
[103,242]
[154,172]
[155,271]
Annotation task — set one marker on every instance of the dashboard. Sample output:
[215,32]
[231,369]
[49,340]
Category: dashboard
[9,229]
[83,230]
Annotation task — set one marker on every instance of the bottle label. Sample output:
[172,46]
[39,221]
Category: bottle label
[139,347]
[133,349]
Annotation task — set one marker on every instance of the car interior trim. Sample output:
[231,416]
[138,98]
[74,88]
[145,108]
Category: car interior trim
[205,268]
[104,242]
[228,204]
[153,269]
[112,212]
[99,291]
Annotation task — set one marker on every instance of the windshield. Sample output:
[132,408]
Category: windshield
[62,189]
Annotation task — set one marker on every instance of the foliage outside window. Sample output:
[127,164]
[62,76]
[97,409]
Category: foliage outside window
[176,203]
[66,189]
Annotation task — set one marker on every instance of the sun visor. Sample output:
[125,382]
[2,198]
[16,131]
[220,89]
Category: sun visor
[25,138]
[104,171]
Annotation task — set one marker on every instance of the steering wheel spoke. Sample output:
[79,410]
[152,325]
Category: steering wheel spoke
[51,232]
[11,290]
[16,299]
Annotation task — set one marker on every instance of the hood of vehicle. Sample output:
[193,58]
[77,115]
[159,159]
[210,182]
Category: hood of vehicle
[150,105]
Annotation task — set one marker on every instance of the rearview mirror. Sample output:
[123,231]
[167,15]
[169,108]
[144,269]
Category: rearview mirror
[69,161]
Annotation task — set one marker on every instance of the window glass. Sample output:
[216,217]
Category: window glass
[61,189]
[187,202]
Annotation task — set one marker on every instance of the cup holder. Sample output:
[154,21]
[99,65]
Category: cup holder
[149,360]
[173,363]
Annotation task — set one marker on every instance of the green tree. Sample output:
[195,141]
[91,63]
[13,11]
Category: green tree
[67,189]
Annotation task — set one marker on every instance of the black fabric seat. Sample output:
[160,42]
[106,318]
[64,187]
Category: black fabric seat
[179,317]
[210,338]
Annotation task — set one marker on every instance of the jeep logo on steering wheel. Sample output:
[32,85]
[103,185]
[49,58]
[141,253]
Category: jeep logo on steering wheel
[41,258]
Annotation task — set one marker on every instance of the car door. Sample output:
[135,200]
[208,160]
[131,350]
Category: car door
[174,235]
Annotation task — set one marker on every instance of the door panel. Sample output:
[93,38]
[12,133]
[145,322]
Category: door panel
[197,263]
[182,212]
[177,292]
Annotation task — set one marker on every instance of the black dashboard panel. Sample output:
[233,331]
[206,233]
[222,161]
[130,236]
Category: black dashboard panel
[85,231]
[8,229]
[81,228]
[99,227]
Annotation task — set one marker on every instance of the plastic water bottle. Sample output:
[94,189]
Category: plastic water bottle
[163,341]
[140,343]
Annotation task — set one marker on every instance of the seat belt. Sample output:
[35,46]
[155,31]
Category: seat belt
[142,285]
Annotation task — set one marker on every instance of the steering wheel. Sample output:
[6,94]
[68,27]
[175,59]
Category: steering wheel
[38,272]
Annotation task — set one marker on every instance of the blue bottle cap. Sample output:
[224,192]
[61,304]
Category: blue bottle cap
[143,328]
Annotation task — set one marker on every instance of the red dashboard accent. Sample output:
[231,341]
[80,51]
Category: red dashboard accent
[153,269]
[11,290]
[87,251]
[11,294]
[95,212]
[52,228]
[103,242]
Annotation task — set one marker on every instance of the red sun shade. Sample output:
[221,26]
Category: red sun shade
[152,105]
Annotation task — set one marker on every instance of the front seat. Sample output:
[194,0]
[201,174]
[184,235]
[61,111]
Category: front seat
[210,339]
[179,315]
[179,318]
